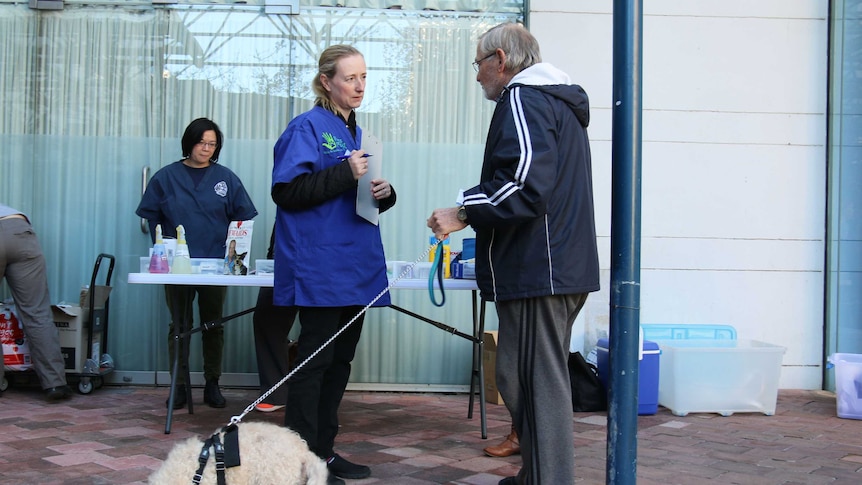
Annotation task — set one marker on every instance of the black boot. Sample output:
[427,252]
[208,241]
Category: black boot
[212,395]
[180,399]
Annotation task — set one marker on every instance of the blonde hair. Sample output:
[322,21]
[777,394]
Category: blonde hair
[327,66]
[521,48]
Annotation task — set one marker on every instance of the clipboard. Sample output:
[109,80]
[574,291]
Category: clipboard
[367,206]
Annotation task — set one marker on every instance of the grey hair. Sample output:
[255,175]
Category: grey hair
[521,48]
[327,66]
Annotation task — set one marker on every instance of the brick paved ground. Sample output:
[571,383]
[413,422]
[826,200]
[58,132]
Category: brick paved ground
[115,435]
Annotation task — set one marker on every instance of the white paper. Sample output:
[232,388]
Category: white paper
[366,205]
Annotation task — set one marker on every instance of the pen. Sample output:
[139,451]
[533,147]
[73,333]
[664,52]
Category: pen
[345,157]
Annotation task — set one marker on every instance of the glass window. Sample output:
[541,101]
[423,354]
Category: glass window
[96,97]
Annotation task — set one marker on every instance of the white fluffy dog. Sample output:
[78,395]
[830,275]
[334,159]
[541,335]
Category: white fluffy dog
[269,454]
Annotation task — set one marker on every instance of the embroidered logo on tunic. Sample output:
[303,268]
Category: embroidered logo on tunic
[221,188]
[332,144]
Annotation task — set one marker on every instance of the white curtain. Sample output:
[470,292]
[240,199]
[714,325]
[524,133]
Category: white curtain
[93,95]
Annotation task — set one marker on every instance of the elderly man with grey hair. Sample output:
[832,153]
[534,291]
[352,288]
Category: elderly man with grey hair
[536,254]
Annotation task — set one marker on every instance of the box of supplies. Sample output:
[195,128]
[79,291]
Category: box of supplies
[71,321]
[462,270]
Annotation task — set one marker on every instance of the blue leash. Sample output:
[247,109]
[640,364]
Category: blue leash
[437,267]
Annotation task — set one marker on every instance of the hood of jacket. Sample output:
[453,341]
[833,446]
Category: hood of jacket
[549,79]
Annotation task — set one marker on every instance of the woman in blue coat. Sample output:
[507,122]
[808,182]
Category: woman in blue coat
[204,197]
[329,261]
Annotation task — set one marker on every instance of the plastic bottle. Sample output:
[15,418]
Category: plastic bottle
[159,258]
[447,255]
[182,262]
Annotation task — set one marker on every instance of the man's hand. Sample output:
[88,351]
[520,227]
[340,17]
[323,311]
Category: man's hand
[445,221]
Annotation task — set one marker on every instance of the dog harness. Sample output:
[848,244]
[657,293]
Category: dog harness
[229,450]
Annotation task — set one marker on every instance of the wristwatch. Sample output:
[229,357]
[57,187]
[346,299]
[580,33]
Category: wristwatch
[462,214]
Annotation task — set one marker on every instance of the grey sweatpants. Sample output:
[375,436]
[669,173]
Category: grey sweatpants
[23,265]
[533,378]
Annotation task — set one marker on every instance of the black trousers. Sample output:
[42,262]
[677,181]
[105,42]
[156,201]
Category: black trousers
[272,325]
[315,391]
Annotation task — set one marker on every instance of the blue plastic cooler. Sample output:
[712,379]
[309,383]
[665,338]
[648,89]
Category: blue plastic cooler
[647,374]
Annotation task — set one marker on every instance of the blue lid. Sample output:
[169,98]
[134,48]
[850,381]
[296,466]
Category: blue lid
[682,331]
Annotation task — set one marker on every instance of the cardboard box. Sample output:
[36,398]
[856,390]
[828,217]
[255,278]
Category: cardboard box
[100,296]
[489,362]
[71,321]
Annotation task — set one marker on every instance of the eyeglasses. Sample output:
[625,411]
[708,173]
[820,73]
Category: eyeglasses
[476,63]
[210,145]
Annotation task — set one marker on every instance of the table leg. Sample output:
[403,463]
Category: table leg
[478,372]
[172,393]
[481,335]
[181,314]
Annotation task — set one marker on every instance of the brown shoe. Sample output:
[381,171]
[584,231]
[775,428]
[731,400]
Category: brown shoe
[508,447]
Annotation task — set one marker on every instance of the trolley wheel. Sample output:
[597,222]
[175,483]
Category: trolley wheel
[85,386]
[4,384]
[98,381]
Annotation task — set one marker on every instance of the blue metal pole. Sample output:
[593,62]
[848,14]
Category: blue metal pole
[625,243]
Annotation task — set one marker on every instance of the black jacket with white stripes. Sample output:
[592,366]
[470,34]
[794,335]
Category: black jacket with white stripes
[533,209]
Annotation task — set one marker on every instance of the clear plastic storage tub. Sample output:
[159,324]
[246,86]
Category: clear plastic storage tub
[719,376]
[848,384]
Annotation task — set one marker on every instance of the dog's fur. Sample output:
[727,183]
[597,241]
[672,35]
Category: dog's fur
[239,267]
[269,454]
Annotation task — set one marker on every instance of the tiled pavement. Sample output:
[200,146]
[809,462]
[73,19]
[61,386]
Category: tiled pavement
[115,435]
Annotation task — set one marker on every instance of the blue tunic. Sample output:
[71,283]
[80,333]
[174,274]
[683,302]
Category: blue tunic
[325,255]
[205,210]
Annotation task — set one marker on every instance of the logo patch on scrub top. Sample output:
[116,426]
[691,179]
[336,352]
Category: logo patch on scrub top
[332,144]
[221,188]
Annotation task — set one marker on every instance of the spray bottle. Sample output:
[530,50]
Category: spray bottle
[159,258]
[182,262]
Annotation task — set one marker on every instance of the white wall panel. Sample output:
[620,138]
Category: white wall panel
[733,191]
[734,171]
[735,64]
[677,126]
[701,254]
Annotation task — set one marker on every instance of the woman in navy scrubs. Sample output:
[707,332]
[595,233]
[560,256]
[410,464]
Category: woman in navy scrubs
[204,197]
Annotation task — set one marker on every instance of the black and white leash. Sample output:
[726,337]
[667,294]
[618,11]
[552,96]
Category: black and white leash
[234,420]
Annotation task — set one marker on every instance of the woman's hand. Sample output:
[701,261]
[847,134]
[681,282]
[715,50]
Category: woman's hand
[380,189]
[358,163]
